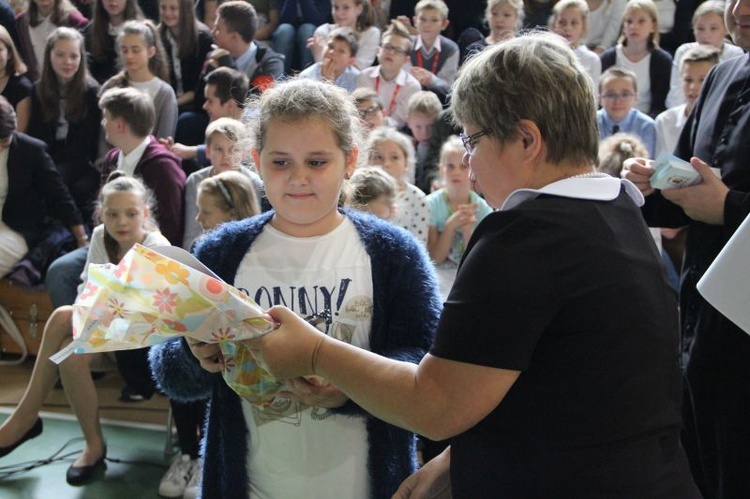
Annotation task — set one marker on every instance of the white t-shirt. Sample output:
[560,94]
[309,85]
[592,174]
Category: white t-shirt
[38,35]
[592,64]
[675,97]
[642,70]
[666,10]
[296,450]
[669,125]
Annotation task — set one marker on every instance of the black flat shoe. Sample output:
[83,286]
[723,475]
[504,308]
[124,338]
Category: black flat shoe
[79,475]
[33,432]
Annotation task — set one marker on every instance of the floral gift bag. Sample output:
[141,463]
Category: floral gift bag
[149,297]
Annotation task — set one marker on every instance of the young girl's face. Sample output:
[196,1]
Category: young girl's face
[45,6]
[502,19]
[709,29]
[123,215]
[389,155]
[345,12]
[135,53]
[115,8]
[221,153]
[303,168]
[382,207]
[210,215]
[638,26]
[169,13]
[570,25]
[4,55]
[455,172]
[65,59]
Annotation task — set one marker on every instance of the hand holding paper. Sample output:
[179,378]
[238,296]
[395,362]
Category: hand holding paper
[149,297]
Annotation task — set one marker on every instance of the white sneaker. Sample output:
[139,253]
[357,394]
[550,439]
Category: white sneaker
[191,491]
[177,477]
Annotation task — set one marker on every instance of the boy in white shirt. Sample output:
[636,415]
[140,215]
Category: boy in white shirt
[709,30]
[694,66]
[390,80]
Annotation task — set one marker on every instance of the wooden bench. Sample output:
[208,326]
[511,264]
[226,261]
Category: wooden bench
[29,311]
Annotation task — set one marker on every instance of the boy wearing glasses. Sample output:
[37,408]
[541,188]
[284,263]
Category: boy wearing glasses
[618,92]
[370,109]
[390,80]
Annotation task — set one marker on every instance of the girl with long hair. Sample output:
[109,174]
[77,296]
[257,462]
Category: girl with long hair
[66,115]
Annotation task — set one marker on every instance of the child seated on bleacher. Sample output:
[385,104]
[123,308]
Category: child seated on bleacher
[390,80]
[618,92]
[455,211]
[222,137]
[695,64]
[434,60]
[393,152]
[709,30]
[337,65]
[125,209]
[423,109]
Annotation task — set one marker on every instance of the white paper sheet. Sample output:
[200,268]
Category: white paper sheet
[726,283]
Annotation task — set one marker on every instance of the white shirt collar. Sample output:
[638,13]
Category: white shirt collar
[399,80]
[590,188]
[128,163]
[420,45]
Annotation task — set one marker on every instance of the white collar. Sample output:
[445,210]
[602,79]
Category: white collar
[129,162]
[420,45]
[591,188]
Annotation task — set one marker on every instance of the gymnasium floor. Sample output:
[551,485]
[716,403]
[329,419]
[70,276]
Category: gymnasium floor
[136,436]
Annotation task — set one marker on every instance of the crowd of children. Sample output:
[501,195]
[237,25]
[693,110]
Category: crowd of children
[168,103]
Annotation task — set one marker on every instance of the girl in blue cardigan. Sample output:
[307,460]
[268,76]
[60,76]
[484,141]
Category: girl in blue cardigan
[358,279]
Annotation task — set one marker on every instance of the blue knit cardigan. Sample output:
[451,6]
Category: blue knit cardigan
[406,308]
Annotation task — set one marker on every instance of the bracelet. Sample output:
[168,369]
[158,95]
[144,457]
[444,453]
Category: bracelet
[83,238]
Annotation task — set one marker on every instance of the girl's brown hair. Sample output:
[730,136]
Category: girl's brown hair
[100,36]
[51,91]
[156,64]
[187,29]
[15,65]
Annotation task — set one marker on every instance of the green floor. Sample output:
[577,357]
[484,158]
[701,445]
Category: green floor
[136,463]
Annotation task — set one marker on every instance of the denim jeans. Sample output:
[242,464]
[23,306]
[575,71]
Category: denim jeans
[291,41]
[64,276]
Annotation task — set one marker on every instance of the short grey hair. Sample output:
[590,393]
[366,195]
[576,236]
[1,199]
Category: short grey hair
[301,99]
[534,77]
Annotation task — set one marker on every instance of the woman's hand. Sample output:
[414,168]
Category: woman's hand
[289,351]
[639,171]
[208,354]
[703,202]
[314,391]
[431,481]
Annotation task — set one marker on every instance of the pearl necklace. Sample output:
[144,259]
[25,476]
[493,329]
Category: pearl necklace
[589,175]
